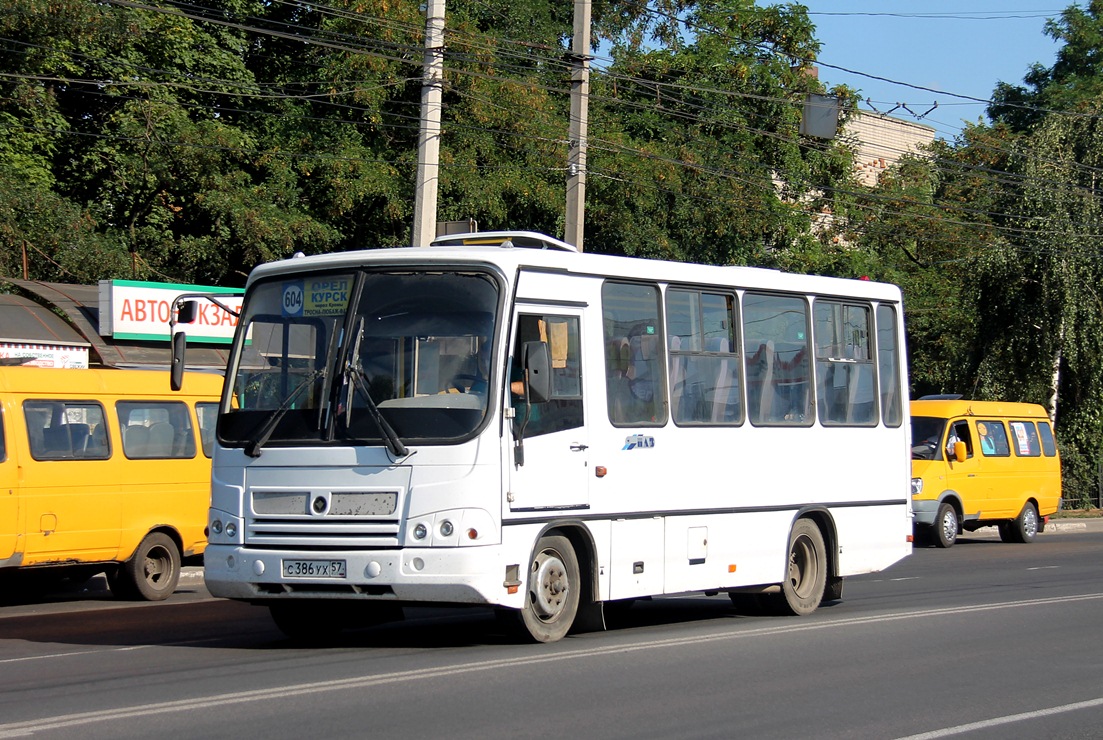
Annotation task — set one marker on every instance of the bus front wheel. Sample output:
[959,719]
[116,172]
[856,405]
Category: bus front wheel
[803,589]
[551,603]
[151,573]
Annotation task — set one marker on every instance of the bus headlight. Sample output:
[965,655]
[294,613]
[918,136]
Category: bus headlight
[917,486]
[420,532]
[231,530]
[216,526]
[446,528]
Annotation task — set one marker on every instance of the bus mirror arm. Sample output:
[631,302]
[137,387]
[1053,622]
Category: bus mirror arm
[185,311]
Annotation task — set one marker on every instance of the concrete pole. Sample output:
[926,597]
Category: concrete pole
[428,140]
[580,98]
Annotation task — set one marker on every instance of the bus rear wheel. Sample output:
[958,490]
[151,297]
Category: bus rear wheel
[551,603]
[151,573]
[803,589]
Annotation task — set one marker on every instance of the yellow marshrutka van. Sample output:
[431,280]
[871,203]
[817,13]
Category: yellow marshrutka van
[105,471]
[982,463]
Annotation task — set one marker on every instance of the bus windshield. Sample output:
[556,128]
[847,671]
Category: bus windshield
[362,357]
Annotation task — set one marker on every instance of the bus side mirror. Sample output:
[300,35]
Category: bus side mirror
[959,451]
[187,312]
[537,365]
[179,343]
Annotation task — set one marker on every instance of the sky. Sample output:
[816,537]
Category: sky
[962,47]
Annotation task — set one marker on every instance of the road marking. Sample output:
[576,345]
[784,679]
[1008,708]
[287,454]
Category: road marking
[1009,719]
[1044,567]
[29,727]
[75,653]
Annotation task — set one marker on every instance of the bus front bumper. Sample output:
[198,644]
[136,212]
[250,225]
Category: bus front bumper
[469,575]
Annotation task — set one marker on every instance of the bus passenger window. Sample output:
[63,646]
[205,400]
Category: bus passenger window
[844,364]
[705,385]
[775,347]
[635,368]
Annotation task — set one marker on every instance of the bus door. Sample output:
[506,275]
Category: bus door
[9,493]
[549,460]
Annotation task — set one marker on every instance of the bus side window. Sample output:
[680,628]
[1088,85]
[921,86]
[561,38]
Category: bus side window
[564,409]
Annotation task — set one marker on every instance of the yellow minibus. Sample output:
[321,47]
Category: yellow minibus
[105,470]
[982,463]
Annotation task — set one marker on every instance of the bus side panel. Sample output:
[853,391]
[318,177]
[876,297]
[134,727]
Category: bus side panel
[725,551]
[10,527]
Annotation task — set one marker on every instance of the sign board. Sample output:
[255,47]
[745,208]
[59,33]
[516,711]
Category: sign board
[132,309]
[44,355]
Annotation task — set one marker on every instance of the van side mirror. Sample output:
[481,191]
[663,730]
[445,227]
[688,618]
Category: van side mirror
[960,453]
[536,361]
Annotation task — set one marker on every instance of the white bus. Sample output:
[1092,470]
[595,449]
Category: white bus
[544,431]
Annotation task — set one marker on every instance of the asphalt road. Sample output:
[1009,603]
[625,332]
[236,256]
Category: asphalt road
[983,640]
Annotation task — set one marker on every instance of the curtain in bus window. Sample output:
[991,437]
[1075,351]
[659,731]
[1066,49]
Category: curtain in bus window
[775,347]
[844,364]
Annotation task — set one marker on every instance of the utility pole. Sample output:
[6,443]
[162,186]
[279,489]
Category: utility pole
[428,140]
[580,97]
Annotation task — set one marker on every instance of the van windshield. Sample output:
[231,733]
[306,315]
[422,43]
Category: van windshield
[927,432]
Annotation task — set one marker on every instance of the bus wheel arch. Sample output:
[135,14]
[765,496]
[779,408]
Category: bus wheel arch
[153,571]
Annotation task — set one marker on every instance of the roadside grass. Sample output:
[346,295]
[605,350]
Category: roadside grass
[1091,513]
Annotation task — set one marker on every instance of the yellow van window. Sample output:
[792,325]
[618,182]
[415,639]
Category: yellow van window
[993,439]
[3,444]
[1049,447]
[66,430]
[1024,439]
[156,429]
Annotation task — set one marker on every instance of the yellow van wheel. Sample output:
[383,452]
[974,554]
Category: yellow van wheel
[946,526]
[1023,528]
[152,573]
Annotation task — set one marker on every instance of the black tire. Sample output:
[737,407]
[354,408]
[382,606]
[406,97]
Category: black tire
[946,526]
[151,573]
[322,622]
[806,577]
[300,621]
[833,590]
[553,590]
[1024,528]
[754,605]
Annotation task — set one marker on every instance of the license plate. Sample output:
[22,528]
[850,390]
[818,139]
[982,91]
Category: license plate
[314,568]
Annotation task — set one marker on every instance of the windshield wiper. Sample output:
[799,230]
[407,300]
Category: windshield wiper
[354,370]
[264,431]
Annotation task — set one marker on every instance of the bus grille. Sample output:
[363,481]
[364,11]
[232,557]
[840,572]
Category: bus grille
[323,519]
